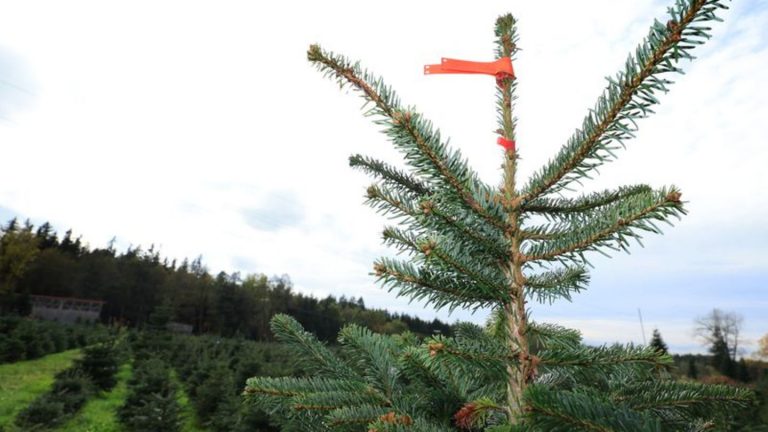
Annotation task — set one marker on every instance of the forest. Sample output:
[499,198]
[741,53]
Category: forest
[136,282]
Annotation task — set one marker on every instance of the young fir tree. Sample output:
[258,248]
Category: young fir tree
[658,343]
[475,246]
[721,354]
[693,370]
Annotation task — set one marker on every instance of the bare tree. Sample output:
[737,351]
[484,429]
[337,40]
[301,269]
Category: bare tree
[729,326]
[762,350]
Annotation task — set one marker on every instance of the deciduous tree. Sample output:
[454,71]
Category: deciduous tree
[719,324]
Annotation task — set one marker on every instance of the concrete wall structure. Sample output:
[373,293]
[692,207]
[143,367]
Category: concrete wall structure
[65,309]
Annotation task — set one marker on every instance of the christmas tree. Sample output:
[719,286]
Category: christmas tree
[471,245]
[658,343]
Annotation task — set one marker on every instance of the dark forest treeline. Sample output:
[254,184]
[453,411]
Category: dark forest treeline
[134,283]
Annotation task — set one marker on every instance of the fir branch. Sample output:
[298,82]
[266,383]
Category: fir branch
[549,286]
[356,415]
[402,240]
[553,207]
[406,423]
[457,260]
[332,400]
[685,402]
[412,134]
[565,411]
[310,353]
[547,336]
[608,227]
[449,388]
[374,356]
[506,46]
[392,203]
[445,257]
[441,289]
[391,175]
[484,359]
[441,220]
[604,357]
[429,217]
[290,387]
[628,97]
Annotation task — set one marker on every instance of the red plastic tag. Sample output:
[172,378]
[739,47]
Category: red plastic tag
[506,143]
[500,68]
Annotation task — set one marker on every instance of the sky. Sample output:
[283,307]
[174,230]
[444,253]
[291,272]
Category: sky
[199,127]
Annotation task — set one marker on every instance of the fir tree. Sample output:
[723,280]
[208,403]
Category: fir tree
[693,370]
[742,371]
[658,343]
[474,246]
[721,357]
[100,364]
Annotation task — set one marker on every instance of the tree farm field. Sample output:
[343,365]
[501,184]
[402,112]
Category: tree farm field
[22,382]
[123,381]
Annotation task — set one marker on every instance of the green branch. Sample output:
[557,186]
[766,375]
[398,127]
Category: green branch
[628,97]
[441,289]
[412,134]
[608,227]
[552,207]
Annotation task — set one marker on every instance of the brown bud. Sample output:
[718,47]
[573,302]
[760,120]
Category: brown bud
[427,247]
[434,348]
[379,269]
[534,368]
[372,192]
[672,25]
[389,417]
[465,417]
[674,28]
[401,117]
[674,197]
[427,207]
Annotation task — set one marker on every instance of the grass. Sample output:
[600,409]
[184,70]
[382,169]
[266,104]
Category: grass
[100,413]
[187,410]
[190,423]
[22,382]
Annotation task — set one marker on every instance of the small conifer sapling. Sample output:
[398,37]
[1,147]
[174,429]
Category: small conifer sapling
[472,245]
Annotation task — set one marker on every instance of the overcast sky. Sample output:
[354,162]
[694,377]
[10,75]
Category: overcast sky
[201,128]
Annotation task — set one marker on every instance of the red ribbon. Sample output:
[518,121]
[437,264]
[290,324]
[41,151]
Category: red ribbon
[501,68]
[508,144]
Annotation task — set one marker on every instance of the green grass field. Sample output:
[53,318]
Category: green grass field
[22,382]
